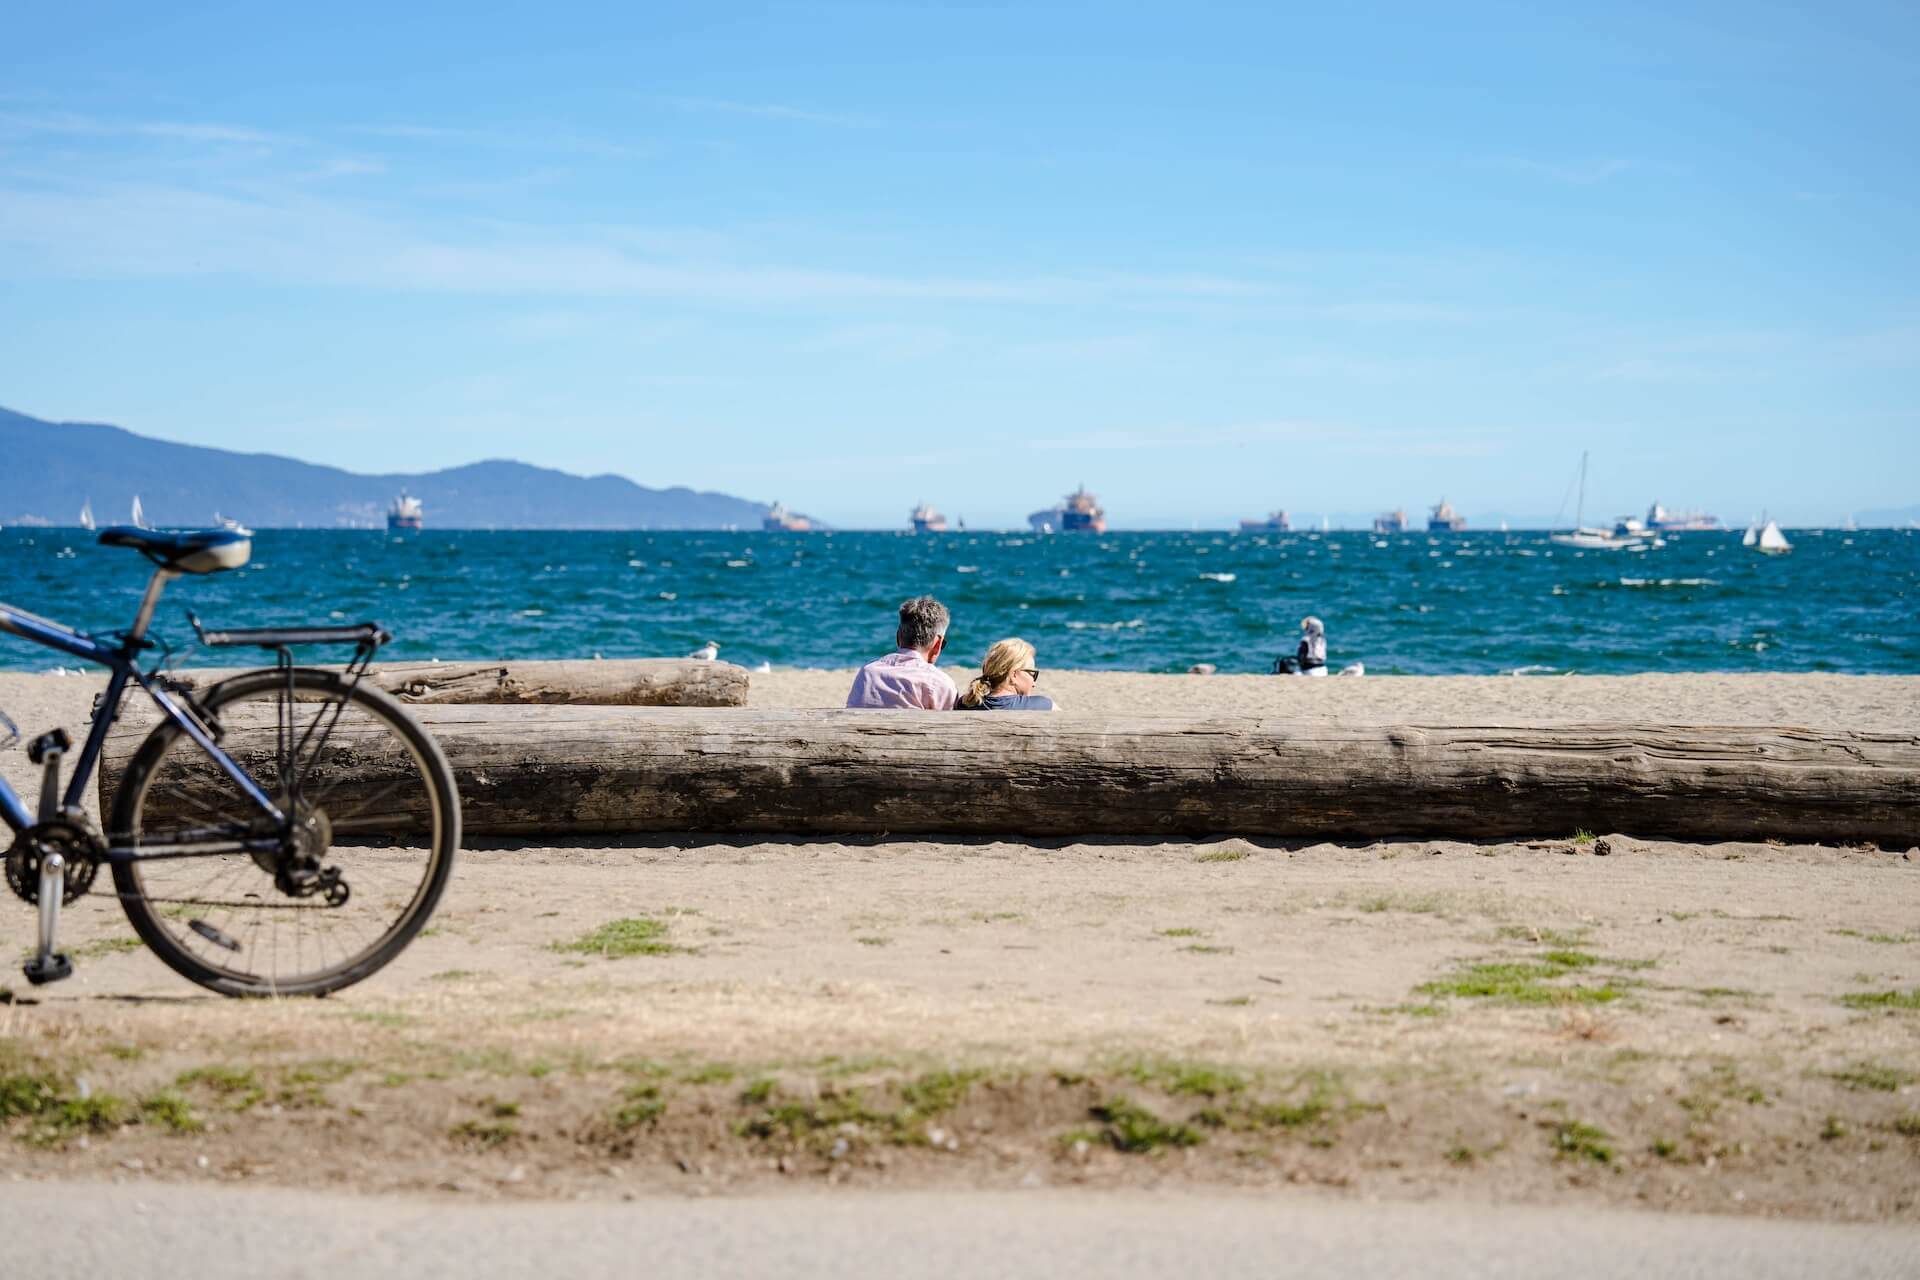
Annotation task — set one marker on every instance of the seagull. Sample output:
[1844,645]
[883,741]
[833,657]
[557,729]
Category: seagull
[706,652]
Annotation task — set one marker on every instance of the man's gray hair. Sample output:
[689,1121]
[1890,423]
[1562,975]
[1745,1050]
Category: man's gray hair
[922,621]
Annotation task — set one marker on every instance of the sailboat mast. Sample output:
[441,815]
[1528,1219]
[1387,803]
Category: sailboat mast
[1580,508]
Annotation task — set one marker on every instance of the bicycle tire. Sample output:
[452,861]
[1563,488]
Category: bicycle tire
[311,685]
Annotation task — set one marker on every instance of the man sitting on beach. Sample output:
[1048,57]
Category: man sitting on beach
[907,677]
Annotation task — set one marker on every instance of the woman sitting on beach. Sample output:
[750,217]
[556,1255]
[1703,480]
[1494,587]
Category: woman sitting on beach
[1006,681]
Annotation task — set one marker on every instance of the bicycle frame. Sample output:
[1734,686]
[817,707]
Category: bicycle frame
[122,662]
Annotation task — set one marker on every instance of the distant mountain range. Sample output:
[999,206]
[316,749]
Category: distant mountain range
[52,468]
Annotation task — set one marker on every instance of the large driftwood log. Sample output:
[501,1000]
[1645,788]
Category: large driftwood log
[623,682]
[558,770]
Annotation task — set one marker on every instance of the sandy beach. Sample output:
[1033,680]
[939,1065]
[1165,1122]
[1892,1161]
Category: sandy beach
[1728,1027]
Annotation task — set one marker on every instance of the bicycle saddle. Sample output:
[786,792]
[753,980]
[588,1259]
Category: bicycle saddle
[187,551]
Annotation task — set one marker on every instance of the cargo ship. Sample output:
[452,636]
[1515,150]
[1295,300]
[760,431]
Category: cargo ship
[926,520]
[407,512]
[1082,513]
[1276,522]
[781,520]
[1444,519]
[1394,521]
[1661,520]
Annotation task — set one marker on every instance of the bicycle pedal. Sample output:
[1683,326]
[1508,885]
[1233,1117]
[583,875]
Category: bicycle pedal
[55,968]
[52,740]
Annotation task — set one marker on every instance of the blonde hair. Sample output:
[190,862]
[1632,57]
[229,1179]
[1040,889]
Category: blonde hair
[1002,660]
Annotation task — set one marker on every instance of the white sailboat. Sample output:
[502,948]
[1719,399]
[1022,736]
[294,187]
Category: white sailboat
[139,514]
[1751,536]
[1772,542]
[86,514]
[1586,537]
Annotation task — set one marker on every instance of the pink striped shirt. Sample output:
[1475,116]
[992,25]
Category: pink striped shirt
[903,679]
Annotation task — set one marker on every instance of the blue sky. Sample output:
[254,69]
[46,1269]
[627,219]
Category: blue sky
[1208,259]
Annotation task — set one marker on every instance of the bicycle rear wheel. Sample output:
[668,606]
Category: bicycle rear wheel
[317,904]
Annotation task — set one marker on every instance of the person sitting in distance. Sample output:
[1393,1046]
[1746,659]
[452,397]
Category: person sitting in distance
[1006,680]
[907,678]
[1311,657]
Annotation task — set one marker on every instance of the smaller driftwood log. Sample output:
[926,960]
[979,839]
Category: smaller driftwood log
[558,770]
[624,682]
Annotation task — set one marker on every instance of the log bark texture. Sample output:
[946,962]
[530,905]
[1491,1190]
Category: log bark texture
[623,682]
[558,770]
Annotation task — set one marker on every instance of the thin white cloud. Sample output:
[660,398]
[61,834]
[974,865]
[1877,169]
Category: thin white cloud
[288,235]
[507,139]
[774,111]
[70,124]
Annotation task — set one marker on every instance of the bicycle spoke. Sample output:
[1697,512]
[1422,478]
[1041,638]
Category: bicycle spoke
[361,807]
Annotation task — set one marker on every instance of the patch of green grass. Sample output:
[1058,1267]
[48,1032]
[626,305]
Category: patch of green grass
[237,1087]
[1721,1082]
[938,1092]
[1582,836]
[1832,1129]
[28,1093]
[485,1134]
[1872,1076]
[1893,939]
[1428,1010]
[321,1071]
[1222,855]
[106,947]
[1317,1099]
[499,1108]
[1233,1002]
[1520,982]
[1187,1079]
[126,1052]
[1182,931]
[1127,1126]
[1462,1154]
[389,1018]
[1574,1140]
[709,1073]
[634,936]
[1410,903]
[805,1120]
[1568,959]
[170,1111]
[1882,999]
[395,1079]
[1203,949]
[1908,1125]
[757,1093]
[641,1104]
[859,1065]
[873,940]
[457,975]
[1730,993]
[1664,1148]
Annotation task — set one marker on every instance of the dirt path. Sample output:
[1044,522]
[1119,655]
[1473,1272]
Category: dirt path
[59,1230]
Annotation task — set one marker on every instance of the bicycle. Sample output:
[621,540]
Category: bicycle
[286,832]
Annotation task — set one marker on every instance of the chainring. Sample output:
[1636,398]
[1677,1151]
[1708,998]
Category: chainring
[79,847]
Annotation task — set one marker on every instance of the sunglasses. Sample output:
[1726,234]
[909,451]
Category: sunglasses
[1034,672]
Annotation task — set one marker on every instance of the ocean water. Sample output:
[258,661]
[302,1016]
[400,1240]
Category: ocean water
[1466,603]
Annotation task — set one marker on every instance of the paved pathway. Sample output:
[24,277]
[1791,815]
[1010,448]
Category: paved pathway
[54,1231]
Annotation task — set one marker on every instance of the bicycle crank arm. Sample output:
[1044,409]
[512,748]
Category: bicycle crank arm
[48,965]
